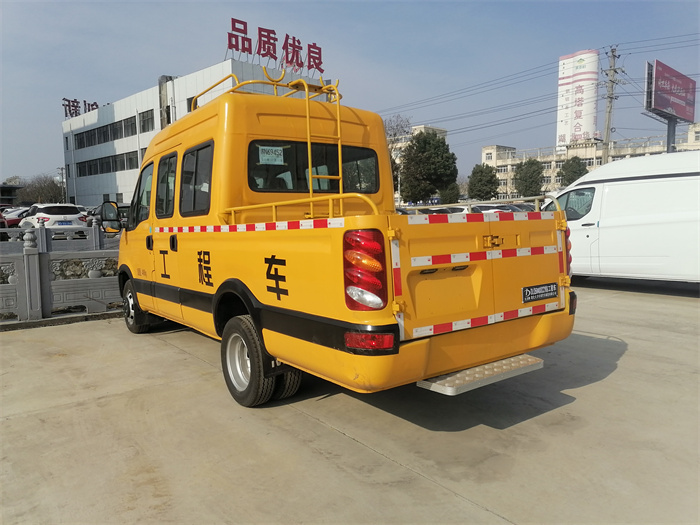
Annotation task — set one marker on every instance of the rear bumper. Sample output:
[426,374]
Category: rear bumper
[424,358]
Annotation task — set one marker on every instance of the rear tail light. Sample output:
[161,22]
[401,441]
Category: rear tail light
[42,220]
[567,236]
[364,268]
[369,341]
[82,218]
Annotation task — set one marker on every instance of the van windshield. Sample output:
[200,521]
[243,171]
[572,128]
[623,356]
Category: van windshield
[283,166]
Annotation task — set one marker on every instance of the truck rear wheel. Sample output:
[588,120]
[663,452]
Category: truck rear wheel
[288,384]
[242,363]
[137,321]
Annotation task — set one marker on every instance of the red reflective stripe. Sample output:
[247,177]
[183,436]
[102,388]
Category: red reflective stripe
[294,225]
[442,328]
[270,226]
[397,281]
[506,216]
[438,218]
[320,223]
[539,309]
[442,259]
[512,314]
[480,321]
[534,216]
[477,256]
[509,253]
[537,250]
[475,217]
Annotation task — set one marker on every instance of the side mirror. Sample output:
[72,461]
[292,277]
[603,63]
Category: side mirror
[109,212]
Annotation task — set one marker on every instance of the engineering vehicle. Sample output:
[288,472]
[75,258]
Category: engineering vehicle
[268,222]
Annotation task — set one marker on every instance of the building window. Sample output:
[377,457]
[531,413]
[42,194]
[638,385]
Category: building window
[589,162]
[502,169]
[120,198]
[146,121]
[489,156]
[130,127]
[103,134]
[697,136]
[558,179]
[560,164]
[546,180]
[503,182]
[105,197]
[116,130]
[546,165]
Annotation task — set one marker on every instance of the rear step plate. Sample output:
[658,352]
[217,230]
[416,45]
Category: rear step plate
[471,378]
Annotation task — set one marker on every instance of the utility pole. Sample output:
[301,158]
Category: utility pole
[611,73]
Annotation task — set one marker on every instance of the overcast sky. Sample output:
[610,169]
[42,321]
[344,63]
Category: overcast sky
[449,64]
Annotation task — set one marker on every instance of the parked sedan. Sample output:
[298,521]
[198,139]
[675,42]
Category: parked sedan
[62,218]
[14,216]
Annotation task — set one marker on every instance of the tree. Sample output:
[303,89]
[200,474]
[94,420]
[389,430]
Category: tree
[397,129]
[450,194]
[572,170]
[528,178]
[427,166]
[42,188]
[483,183]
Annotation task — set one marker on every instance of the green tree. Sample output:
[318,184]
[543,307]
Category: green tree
[528,178]
[397,128]
[43,188]
[450,195]
[427,166]
[483,183]
[572,170]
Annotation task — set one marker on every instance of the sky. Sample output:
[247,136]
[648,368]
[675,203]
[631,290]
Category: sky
[484,70]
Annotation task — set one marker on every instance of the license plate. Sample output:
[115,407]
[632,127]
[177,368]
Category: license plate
[64,223]
[539,292]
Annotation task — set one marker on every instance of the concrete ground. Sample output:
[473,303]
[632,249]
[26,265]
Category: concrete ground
[102,426]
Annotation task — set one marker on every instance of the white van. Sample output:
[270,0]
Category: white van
[637,218]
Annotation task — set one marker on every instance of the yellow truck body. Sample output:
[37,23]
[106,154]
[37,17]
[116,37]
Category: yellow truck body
[269,222]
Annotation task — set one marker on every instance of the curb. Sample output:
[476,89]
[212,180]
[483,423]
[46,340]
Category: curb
[59,320]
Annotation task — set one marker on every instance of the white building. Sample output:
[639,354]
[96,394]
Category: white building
[506,158]
[103,148]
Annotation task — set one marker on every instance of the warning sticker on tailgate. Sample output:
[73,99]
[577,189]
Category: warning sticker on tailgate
[539,292]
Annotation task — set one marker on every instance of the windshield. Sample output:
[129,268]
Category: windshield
[283,166]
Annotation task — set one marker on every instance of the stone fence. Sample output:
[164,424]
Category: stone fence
[42,276]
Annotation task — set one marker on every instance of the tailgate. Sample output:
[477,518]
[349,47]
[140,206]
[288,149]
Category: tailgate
[464,270]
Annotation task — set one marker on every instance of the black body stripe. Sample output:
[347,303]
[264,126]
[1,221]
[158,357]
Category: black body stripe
[639,177]
[315,329]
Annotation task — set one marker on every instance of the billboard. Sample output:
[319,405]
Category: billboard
[577,110]
[669,94]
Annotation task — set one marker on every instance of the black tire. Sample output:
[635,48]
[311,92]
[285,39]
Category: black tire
[137,321]
[288,384]
[242,363]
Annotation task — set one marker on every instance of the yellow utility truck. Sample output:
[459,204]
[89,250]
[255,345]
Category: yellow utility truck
[267,221]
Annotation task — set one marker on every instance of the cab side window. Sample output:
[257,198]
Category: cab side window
[141,203]
[195,180]
[165,189]
[577,203]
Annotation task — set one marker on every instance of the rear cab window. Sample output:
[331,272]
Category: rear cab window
[283,166]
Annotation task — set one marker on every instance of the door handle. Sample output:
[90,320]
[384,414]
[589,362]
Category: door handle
[589,224]
[173,243]
[149,242]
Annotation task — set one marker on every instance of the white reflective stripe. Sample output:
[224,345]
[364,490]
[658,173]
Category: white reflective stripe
[460,257]
[338,222]
[550,249]
[457,217]
[395,254]
[522,252]
[418,219]
[399,321]
[421,261]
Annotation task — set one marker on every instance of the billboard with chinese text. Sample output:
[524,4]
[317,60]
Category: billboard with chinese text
[669,94]
[577,109]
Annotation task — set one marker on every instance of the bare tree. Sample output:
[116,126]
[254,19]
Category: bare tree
[398,131]
[42,188]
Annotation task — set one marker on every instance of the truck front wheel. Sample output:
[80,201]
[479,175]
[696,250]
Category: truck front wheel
[137,321]
[242,363]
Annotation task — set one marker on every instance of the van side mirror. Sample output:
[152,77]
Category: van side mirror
[109,211]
